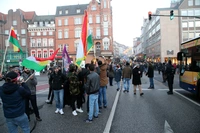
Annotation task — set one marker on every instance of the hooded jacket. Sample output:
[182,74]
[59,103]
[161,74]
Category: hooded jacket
[13,97]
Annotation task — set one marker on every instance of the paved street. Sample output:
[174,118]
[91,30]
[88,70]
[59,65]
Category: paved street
[134,114]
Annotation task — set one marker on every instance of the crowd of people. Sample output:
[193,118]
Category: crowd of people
[71,88]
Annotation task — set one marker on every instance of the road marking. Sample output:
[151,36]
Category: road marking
[187,98]
[111,116]
[167,128]
[42,91]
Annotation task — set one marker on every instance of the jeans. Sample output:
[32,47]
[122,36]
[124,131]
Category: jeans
[118,85]
[21,121]
[59,97]
[93,104]
[126,84]
[151,83]
[102,96]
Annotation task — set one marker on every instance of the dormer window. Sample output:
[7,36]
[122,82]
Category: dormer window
[78,11]
[66,11]
[60,12]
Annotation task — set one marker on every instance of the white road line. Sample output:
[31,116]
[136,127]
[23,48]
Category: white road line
[42,91]
[111,116]
[167,128]
[187,98]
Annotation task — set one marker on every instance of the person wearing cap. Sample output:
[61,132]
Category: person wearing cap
[31,83]
[13,98]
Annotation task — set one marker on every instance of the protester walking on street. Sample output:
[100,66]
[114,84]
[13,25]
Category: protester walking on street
[150,74]
[92,89]
[118,76]
[170,71]
[13,98]
[136,80]
[126,76]
[31,82]
[57,80]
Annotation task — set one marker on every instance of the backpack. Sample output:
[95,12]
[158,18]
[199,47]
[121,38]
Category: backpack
[74,84]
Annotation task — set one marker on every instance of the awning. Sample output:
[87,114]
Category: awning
[32,51]
[51,50]
[44,51]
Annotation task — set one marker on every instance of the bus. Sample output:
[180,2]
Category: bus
[189,62]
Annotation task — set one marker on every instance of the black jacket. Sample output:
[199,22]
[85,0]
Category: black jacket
[13,97]
[150,72]
[136,80]
[57,80]
[93,83]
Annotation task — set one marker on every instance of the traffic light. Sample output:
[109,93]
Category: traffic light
[171,14]
[149,13]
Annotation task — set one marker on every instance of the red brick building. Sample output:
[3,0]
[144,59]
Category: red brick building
[69,20]
[19,20]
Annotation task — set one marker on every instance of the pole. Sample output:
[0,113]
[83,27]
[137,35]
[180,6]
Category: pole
[176,16]
[29,77]
[5,52]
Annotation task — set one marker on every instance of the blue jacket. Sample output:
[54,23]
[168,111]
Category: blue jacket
[13,97]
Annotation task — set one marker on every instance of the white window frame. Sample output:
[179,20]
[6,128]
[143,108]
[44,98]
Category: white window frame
[105,4]
[14,22]
[98,32]
[51,42]
[197,23]
[66,34]
[23,31]
[44,33]
[197,12]
[60,12]
[78,10]
[38,33]
[50,32]
[78,21]
[66,11]
[6,32]
[97,19]
[59,22]
[41,23]
[77,32]
[184,24]
[93,8]
[32,33]
[90,19]
[197,2]
[190,3]
[66,21]
[105,31]
[191,24]
[59,34]
[105,17]
[44,41]
[23,40]
[39,41]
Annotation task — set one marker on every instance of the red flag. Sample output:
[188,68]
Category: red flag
[52,57]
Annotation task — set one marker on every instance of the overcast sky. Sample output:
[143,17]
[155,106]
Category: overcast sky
[127,14]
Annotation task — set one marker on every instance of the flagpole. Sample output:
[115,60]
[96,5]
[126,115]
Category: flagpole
[5,51]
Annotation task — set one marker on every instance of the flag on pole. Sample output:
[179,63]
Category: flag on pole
[31,63]
[38,64]
[66,59]
[85,43]
[52,57]
[14,41]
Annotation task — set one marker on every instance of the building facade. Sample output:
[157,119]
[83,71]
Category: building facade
[161,37]
[41,33]
[19,20]
[69,20]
